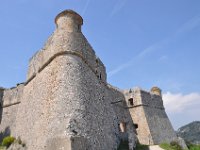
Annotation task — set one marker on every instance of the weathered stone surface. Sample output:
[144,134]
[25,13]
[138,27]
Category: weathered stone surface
[66,102]
[17,146]
[149,115]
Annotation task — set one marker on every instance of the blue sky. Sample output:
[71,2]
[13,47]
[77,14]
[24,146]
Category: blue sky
[142,43]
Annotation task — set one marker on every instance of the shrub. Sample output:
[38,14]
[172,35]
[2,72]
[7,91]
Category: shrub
[7,141]
[165,146]
[172,146]
[175,145]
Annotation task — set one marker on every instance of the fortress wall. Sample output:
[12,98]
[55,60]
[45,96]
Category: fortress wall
[11,100]
[138,115]
[123,116]
[151,100]
[101,70]
[158,121]
[8,121]
[159,125]
[64,98]
[63,42]
[142,132]
[12,96]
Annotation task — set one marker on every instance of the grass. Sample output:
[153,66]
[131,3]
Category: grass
[194,147]
[167,146]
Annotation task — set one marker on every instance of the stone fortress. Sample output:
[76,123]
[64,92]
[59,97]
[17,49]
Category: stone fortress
[67,104]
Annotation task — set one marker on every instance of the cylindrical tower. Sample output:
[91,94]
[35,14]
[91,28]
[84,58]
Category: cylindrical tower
[157,91]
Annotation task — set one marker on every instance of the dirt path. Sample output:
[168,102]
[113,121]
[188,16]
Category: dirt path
[155,147]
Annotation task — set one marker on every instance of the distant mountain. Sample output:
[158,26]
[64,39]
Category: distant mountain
[190,132]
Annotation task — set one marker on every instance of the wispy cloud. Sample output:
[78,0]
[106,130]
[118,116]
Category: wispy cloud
[178,103]
[138,57]
[86,7]
[117,7]
[185,28]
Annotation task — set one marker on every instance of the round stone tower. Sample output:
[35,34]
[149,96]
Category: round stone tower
[68,98]
[157,91]
[69,20]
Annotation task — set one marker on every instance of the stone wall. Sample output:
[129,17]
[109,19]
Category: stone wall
[123,116]
[72,102]
[66,102]
[149,115]
[67,97]
[11,101]
[160,127]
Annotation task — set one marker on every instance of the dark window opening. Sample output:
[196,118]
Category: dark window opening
[130,101]
[100,76]
[136,126]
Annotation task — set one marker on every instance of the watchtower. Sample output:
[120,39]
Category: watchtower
[148,113]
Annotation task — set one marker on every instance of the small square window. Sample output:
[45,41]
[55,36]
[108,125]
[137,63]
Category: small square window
[130,101]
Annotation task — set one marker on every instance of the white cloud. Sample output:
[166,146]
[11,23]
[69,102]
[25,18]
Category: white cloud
[179,103]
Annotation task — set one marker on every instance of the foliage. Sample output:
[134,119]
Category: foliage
[172,146]
[192,146]
[7,141]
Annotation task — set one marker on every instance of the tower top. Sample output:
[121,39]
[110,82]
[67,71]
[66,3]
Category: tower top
[69,19]
[156,90]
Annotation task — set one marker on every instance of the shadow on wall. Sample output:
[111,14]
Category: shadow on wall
[5,133]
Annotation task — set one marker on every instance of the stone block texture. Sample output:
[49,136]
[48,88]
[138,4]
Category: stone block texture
[66,102]
[148,113]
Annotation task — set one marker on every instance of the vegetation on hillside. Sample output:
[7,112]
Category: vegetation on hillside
[190,132]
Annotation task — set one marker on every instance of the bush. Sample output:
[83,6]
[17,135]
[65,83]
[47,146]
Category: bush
[7,141]
[192,146]
[165,146]
[172,146]
[175,145]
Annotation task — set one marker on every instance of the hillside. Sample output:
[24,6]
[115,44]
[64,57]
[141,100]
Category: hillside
[190,132]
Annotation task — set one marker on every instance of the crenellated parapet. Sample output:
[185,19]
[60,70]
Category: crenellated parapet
[67,39]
